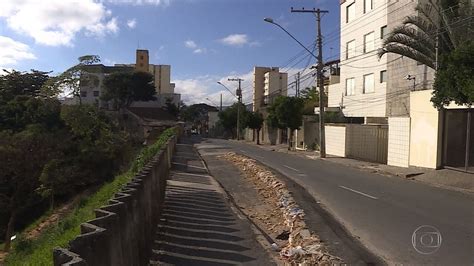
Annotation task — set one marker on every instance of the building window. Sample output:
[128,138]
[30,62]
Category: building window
[383,76]
[83,93]
[369,83]
[96,93]
[368,5]
[383,32]
[350,49]
[141,57]
[369,42]
[350,12]
[350,86]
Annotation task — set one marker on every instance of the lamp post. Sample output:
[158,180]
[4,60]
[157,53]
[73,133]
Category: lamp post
[238,107]
[319,58]
[270,20]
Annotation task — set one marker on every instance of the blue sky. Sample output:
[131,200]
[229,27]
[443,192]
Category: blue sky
[204,41]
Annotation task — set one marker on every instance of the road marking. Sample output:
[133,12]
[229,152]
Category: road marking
[302,175]
[358,192]
[243,151]
[189,165]
[291,168]
[261,157]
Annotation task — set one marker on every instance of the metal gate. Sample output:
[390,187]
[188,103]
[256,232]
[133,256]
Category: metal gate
[367,142]
[458,139]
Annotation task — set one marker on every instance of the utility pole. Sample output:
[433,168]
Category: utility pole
[322,135]
[239,99]
[298,84]
[220,107]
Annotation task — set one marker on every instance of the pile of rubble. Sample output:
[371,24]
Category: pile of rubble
[301,247]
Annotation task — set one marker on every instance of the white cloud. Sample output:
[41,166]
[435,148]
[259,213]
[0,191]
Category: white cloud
[57,22]
[12,51]
[255,44]
[235,40]
[4,70]
[132,23]
[200,51]
[196,49]
[190,44]
[139,2]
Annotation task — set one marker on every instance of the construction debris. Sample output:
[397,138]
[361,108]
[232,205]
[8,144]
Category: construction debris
[301,246]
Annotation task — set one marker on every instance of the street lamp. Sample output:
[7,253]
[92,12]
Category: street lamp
[238,108]
[270,20]
[410,77]
[220,83]
[319,58]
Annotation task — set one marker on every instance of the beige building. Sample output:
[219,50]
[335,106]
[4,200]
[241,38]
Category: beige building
[92,82]
[161,73]
[268,83]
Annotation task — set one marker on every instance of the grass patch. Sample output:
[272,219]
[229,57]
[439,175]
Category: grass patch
[39,251]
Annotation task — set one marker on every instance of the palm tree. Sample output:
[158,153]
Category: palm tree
[442,24]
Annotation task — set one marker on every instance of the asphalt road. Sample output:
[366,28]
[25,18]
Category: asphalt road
[383,212]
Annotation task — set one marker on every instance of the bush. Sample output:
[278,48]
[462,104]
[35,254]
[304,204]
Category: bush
[39,251]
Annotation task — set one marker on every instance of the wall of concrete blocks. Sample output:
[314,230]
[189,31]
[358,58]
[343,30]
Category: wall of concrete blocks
[122,233]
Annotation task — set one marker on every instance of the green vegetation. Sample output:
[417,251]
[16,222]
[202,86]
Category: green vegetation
[440,37]
[122,88]
[255,122]
[69,81]
[39,251]
[286,112]
[310,96]
[454,79]
[228,118]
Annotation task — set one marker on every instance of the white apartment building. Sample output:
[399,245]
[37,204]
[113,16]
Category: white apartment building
[372,87]
[377,89]
[363,79]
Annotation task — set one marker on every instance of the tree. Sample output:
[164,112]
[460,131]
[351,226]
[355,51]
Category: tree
[171,108]
[310,97]
[255,122]
[125,87]
[23,156]
[16,83]
[418,35]
[196,114]
[442,30]
[286,112]
[69,81]
[228,118]
[21,103]
[454,79]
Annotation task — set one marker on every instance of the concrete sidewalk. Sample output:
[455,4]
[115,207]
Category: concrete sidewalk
[443,178]
[199,225]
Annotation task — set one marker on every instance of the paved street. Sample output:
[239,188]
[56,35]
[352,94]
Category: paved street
[384,212]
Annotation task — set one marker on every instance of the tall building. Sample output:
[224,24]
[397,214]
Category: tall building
[142,61]
[268,83]
[375,88]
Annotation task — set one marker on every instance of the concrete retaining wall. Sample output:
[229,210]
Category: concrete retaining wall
[123,230]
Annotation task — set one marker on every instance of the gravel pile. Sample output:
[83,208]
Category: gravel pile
[298,245]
